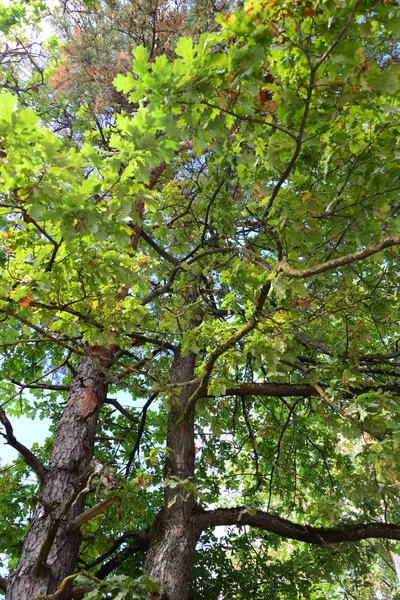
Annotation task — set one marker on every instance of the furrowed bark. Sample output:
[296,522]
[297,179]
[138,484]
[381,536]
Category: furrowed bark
[51,547]
[49,550]
[173,536]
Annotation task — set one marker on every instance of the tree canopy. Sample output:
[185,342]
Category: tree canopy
[199,288]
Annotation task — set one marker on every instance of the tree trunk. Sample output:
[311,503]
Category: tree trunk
[49,551]
[396,564]
[173,536]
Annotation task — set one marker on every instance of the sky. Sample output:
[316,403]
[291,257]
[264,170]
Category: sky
[28,431]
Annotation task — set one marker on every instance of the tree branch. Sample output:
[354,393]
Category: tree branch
[121,409]
[299,137]
[141,542]
[233,340]
[39,386]
[304,390]
[26,454]
[92,512]
[3,584]
[342,260]
[140,537]
[65,581]
[43,332]
[278,390]
[140,432]
[287,529]
[160,251]
[339,37]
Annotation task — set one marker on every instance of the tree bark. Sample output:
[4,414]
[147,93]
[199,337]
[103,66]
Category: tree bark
[50,551]
[396,564]
[173,536]
[350,532]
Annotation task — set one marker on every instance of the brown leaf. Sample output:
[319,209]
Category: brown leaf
[26,301]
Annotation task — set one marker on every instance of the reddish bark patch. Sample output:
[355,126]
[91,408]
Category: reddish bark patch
[87,403]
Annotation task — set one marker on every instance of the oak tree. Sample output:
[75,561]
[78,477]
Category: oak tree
[199,288]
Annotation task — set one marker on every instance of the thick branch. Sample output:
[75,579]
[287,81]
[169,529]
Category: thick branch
[304,390]
[160,251]
[278,390]
[303,533]
[335,263]
[26,454]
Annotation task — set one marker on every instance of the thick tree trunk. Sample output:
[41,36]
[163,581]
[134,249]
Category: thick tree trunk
[173,537]
[49,551]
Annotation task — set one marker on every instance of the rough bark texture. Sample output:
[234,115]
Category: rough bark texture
[396,563]
[49,551]
[173,536]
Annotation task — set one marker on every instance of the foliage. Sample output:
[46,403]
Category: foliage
[259,164]
[122,588]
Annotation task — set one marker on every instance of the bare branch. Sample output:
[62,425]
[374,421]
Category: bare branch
[304,390]
[93,512]
[278,390]
[335,263]
[121,409]
[117,560]
[160,251]
[64,583]
[141,539]
[26,454]
[39,386]
[304,533]
[140,432]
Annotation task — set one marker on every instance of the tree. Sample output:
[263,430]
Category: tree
[224,249]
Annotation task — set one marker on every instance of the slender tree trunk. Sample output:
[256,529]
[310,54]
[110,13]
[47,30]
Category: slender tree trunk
[396,564]
[173,536]
[49,551]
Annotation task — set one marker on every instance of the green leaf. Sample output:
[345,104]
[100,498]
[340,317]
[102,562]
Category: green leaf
[184,48]
[7,106]
[124,83]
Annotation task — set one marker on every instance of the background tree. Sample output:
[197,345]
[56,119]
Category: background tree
[223,248]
